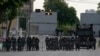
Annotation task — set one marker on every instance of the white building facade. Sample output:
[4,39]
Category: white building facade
[43,23]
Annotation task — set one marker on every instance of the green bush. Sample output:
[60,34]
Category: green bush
[66,28]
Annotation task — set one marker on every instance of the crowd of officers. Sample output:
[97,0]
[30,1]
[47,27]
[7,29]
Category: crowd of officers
[70,43]
[59,43]
[54,43]
[18,44]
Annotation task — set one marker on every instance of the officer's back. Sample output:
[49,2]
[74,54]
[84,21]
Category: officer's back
[8,44]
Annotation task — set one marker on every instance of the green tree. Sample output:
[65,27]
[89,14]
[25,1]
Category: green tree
[3,1]
[66,14]
[99,5]
[2,10]
[98,8]
[9,8]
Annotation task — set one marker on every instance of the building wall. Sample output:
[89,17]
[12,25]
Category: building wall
[44,24]
[3,31]
[91,18]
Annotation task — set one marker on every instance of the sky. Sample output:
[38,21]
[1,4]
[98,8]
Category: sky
[80,5]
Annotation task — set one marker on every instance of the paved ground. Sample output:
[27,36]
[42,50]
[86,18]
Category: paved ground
[83,52]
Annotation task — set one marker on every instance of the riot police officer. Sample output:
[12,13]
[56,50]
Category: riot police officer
[47,43]
[8,44]
[94,43]
[13,41]
[33,44]
[56,43]
[60,43]
[72,43]
[23,42]
[37,43]
[77,43]
[19,42]
[29,43]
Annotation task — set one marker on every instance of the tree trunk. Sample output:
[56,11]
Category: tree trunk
[8,29]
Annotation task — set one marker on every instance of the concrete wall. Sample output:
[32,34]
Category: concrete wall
[40,17]
[46,24]
[91,18]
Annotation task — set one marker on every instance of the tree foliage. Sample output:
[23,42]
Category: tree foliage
[98,8]
[99,5]
[66,14]
[9,7]
[8,10]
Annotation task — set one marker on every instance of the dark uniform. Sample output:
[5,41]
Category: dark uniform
[4,45]
[37,43]
[91,43]
[13,41]
[8,44]
[33,44]
[67,43]
[88,42]
[77,43]
[23,42]
[56,44]
[47,44]
[60,43]
[19,41]
[94,43]
[29,43]
[72,43]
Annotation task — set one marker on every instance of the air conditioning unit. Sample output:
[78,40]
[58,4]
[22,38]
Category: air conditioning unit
[37,10]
